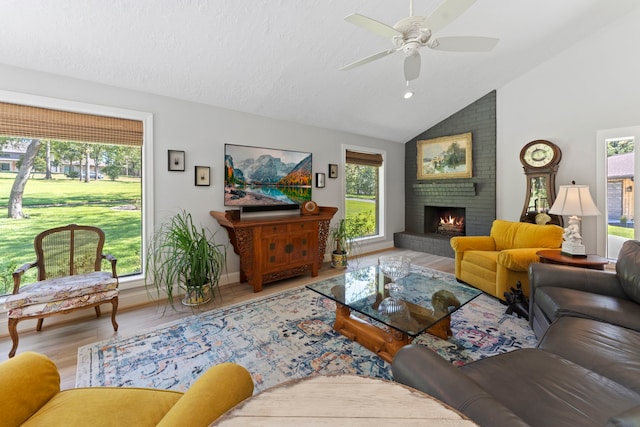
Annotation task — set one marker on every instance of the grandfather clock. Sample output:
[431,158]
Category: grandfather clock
[540,160]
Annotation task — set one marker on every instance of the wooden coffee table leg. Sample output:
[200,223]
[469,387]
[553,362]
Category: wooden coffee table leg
[442,329]
[384,343]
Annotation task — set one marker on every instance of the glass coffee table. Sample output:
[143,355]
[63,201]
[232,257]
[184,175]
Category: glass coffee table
[425,303]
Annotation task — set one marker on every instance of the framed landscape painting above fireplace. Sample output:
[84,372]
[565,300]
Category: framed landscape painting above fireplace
[445,157]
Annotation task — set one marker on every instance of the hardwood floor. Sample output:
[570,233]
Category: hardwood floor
[60,342]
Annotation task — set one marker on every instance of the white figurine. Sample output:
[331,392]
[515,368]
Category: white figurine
[572,232]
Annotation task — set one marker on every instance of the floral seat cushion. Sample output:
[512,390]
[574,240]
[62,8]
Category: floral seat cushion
[63,289]
[37,310]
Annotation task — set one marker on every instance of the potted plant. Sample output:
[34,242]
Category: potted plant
[184,257]
[623,221]
[343,242]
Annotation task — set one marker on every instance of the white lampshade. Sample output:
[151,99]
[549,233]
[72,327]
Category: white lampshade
[574,200]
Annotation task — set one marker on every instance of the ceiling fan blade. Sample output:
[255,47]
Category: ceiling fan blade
[412,65]
[446,13]
[372,25]
[368,59]
[464,44]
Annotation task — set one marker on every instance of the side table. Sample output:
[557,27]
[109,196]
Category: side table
[342,400]
[554,256]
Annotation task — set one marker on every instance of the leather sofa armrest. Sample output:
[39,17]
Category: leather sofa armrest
[581,279]
[473,243]
[219,389]
[422,369]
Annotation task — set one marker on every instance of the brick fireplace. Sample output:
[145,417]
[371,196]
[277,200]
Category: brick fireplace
[474,198]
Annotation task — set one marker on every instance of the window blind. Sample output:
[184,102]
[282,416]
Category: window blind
[44,123]
[365,159]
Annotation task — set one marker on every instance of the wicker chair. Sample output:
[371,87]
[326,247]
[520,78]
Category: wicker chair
[69,261]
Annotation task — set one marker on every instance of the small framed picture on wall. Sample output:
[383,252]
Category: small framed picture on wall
[176,160]
[202,175]
[333,170]
[320,180]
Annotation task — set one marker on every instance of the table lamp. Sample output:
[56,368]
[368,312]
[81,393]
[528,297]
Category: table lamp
[575,201]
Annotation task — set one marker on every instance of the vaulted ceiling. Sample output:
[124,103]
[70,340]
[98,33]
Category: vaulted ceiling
[282,58]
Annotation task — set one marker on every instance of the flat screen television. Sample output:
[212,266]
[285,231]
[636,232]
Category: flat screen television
[258,178]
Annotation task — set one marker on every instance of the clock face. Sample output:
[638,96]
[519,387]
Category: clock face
[310,208]
[538,154]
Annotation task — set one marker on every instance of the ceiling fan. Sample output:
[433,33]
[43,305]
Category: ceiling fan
[412,33]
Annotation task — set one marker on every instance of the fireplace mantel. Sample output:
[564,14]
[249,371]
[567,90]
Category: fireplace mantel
[459,189]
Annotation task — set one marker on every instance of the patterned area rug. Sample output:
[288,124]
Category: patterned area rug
[281,337]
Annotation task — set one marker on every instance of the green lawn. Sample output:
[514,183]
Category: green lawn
[82,203]
[355,207]
[39,191]
[361,216]
[621,231]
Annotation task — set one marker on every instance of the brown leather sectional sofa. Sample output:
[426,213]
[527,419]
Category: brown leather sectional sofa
[585,370]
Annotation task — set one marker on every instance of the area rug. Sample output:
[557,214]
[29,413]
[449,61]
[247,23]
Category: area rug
[281,337]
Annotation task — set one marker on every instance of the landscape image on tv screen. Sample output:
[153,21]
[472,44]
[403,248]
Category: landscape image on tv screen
[266,177]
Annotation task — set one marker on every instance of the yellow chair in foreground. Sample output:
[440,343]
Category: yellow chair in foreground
[30,396]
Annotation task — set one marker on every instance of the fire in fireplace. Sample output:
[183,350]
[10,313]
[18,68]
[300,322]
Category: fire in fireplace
[451,226]
[444,221]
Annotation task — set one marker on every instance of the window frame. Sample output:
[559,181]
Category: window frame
[602,136]
[133,280]
[382,179]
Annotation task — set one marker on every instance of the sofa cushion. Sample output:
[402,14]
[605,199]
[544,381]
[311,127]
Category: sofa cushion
[628,269]
[105,406]
[611,351]
[556,302]
[554,391]
[62,288]
[511,235]
[36,310]
[484,259]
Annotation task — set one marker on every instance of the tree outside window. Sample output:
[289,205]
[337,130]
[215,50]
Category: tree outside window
[50,183]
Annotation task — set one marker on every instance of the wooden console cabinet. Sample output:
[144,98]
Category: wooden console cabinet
[277,247]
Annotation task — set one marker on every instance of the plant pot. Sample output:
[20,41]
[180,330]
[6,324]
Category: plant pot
[195,296]
[339,259]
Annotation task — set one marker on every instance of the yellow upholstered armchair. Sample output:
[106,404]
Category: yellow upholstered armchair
[30,396]
[69,263]
[496,262]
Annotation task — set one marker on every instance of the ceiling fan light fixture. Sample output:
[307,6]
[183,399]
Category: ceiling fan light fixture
[412,33]
[408,93]
[411,48]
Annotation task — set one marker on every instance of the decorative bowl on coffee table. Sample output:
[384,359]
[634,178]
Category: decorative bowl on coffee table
[394,267]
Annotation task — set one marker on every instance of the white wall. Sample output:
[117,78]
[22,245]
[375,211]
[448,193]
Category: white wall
[592,86]
[201,131]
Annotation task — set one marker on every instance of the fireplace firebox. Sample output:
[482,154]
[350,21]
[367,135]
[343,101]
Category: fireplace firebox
[444,221]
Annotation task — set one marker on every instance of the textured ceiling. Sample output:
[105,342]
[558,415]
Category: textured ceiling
[281,58]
